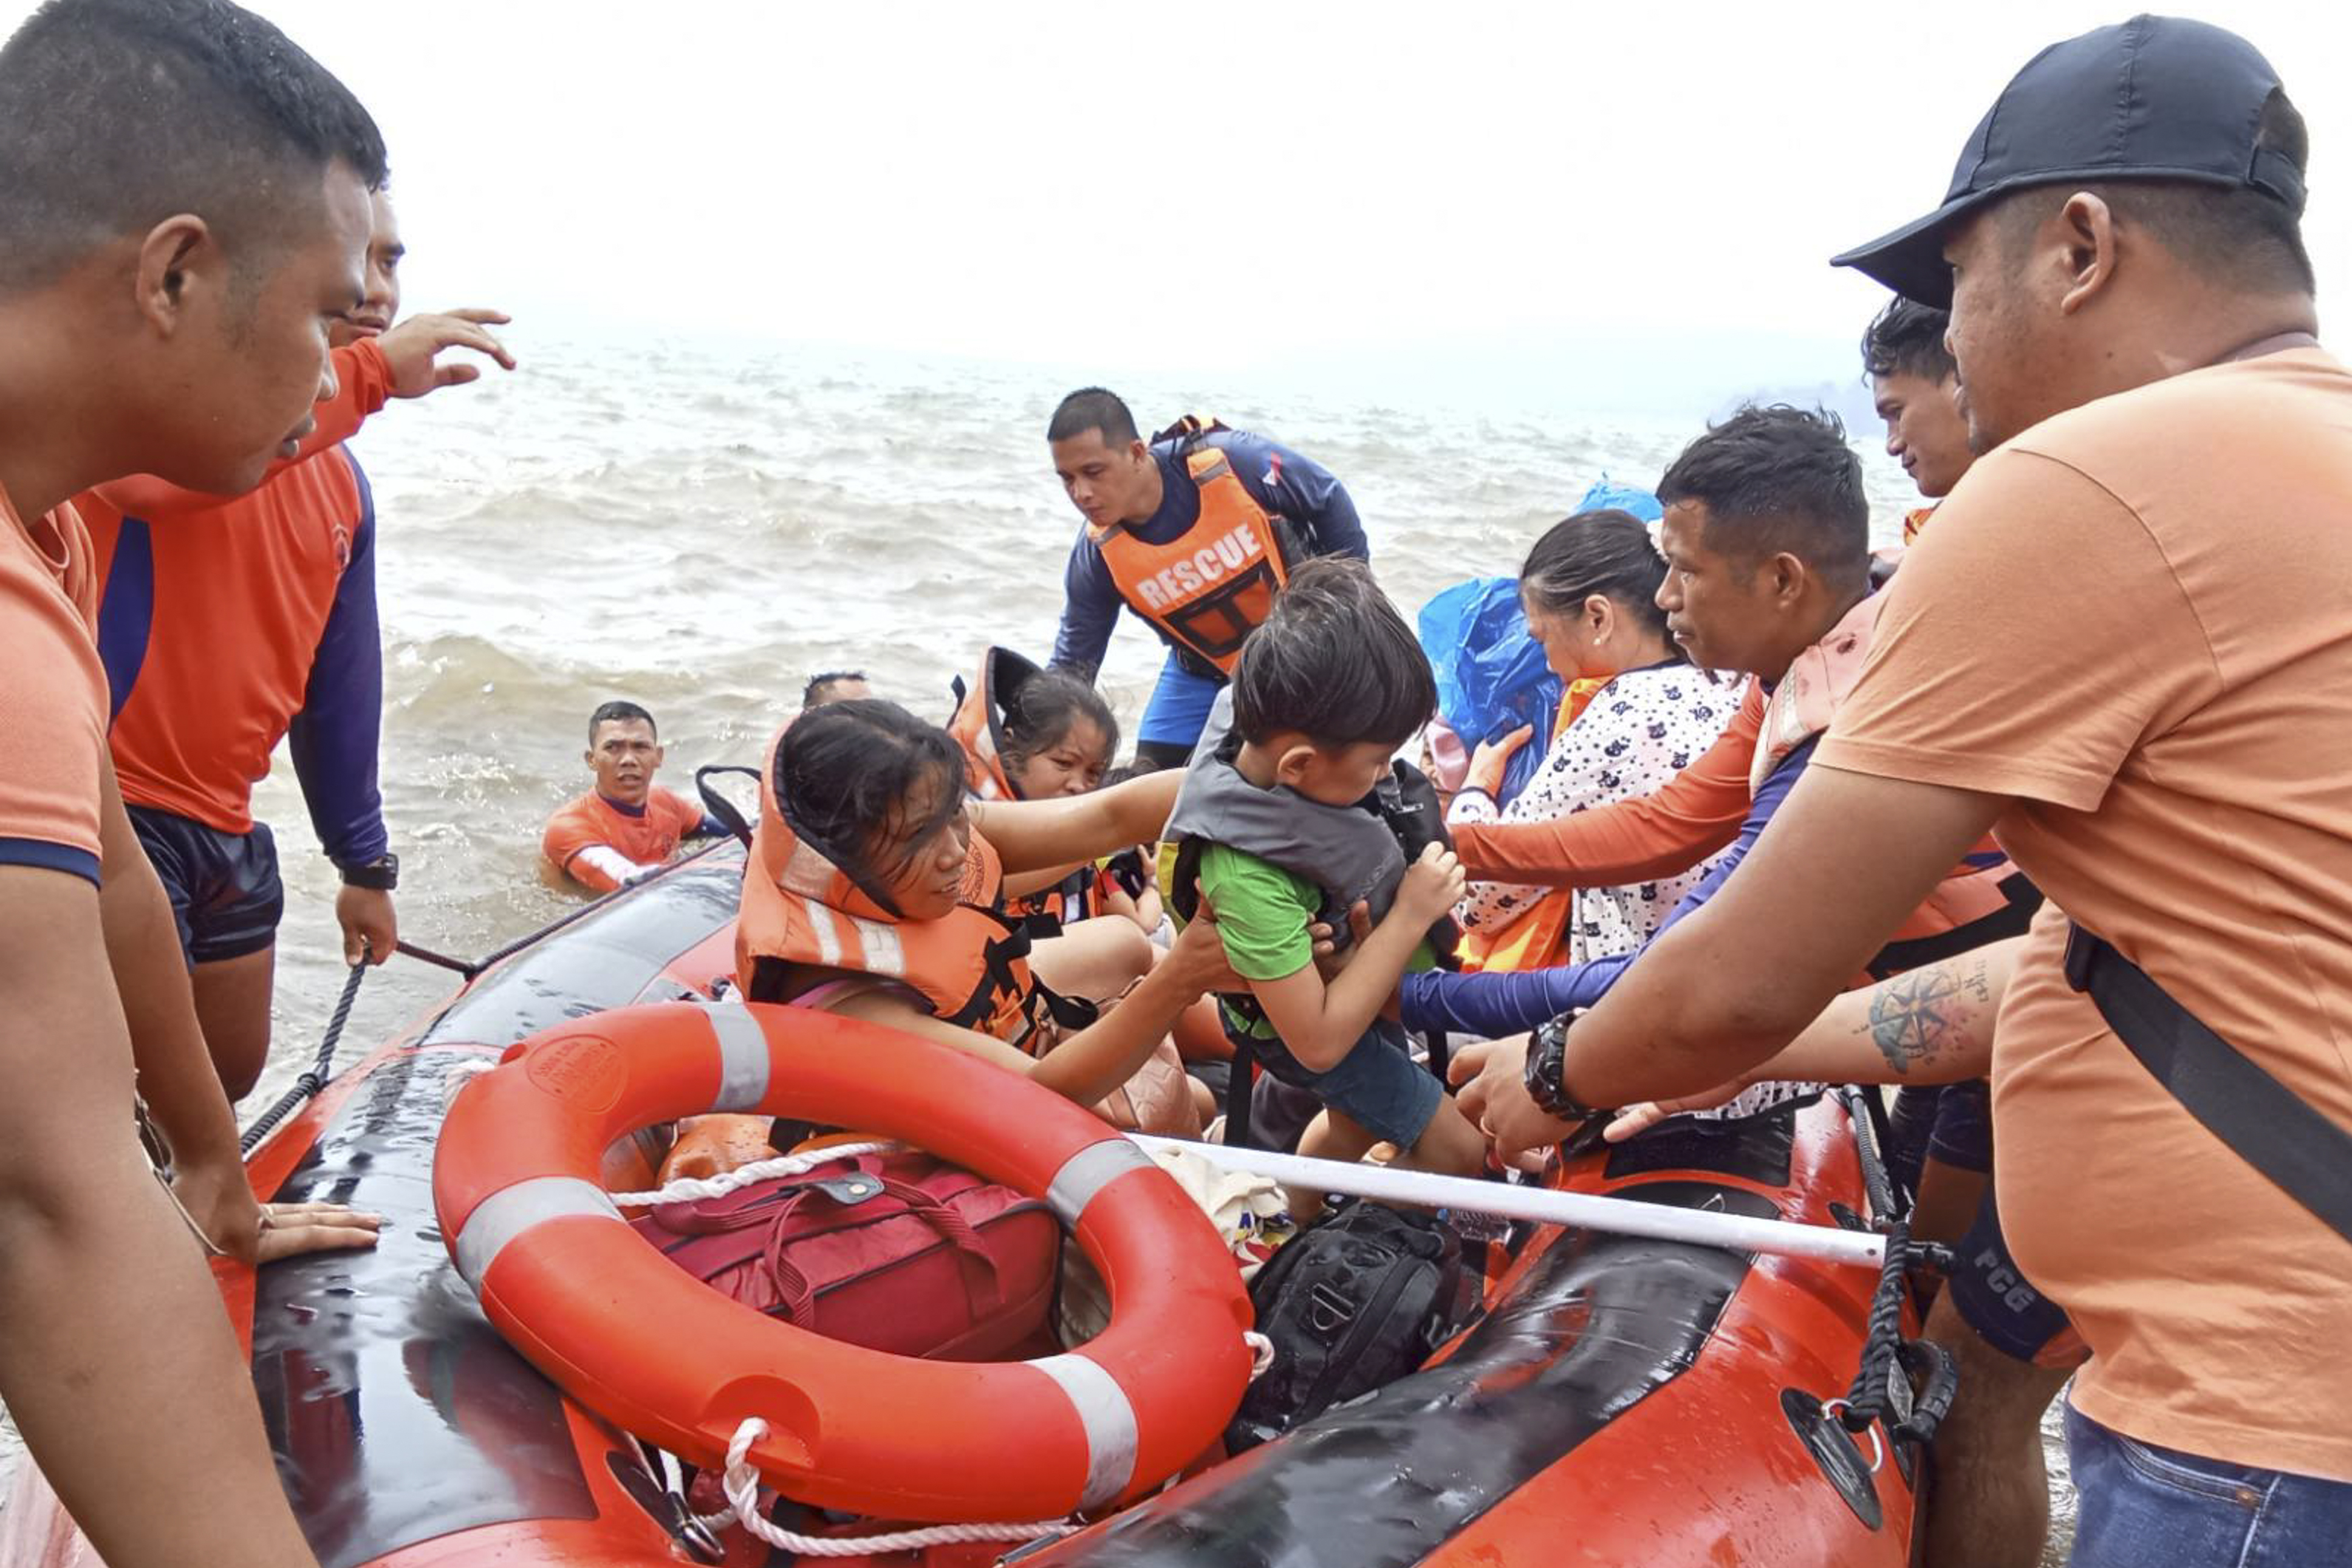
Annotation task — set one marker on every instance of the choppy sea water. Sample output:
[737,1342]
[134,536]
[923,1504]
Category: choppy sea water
[700,527]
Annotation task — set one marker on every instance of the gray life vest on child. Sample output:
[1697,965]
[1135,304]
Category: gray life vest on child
[1350,853]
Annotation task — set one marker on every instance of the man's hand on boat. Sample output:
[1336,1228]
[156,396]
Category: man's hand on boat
[221,1205]
[1641,1118]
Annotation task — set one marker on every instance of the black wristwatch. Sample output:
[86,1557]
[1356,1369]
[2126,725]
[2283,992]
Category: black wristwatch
[1545,1075]
[380,874]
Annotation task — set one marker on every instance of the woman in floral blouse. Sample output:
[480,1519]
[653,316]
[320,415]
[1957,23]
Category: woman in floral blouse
[1590,587]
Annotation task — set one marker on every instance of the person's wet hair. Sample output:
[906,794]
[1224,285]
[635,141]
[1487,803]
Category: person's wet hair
[865,779]
[819,688]
[1044,709]
[1333,661]
[1093,408]
[1907,339]
[115,114]
[1605,551]
[2235,236]
[1777,479]
[624,711]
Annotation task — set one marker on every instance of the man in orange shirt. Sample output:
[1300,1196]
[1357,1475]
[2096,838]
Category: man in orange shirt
[2145,696]
[626,828]
[192,345]
[1915,388]
[227,624]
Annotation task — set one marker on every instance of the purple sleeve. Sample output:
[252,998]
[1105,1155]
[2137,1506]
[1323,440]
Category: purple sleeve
[335,739]
[1090,606]
[1500,1002]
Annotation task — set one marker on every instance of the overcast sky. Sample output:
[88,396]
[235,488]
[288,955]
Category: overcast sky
[1571,202]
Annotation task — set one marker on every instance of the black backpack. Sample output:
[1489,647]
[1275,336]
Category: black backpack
[1353,1302]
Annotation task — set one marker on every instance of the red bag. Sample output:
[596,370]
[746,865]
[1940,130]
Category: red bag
[897,1254]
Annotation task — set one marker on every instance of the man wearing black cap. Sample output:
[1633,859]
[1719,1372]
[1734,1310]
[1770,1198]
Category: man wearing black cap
[2145,695]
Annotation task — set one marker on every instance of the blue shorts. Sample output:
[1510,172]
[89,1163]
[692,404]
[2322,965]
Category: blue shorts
[1179,708]
[1992,1297]
[1950,1123]
[223,887]
[1376,1085]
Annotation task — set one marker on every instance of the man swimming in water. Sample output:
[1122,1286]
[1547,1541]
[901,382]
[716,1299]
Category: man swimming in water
[1194,532]
[626,828]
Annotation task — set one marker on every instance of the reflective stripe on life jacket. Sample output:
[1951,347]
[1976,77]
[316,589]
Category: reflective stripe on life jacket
[977,724]
[1803,705]
[1210,587]
[971,966]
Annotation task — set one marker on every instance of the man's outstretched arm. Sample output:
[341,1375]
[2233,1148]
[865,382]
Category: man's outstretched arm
[1849,857]
[119,1364]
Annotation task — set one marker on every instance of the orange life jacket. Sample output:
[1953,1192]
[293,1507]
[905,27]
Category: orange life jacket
[1801,707]
[979,722]
[1211,586]
[971,965]
[1537,939]
[979,728]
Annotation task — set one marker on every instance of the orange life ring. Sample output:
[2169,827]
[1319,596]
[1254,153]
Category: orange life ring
[647,1347]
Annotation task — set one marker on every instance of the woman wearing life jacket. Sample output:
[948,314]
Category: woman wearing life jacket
[872,891]
[1639,713]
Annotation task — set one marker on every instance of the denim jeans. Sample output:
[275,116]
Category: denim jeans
[2146,1507]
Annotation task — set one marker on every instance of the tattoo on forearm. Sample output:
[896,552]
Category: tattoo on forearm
[1914,1016]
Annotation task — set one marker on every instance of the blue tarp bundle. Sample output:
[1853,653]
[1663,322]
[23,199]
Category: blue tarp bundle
[1491,675]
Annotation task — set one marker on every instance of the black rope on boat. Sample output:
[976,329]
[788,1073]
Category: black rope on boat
[306,1087]
[1934,1401]
[1877,1184]
[1882,1345]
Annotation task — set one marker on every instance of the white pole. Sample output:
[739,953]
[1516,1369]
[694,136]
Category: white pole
[1589,1211]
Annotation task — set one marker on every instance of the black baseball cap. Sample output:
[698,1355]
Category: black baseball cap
[2155,98]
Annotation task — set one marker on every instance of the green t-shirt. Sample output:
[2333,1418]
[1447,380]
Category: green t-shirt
[1263,913]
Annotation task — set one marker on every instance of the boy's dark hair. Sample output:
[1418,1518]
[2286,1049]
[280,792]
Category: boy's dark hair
[812,694]
[1605,551]
[1043,710]
[1777,479]
[1125,773]
[2238,237]
[1333,662]
[116,114]
[1093,408]
[1907,339]
[623,711]
[852,776]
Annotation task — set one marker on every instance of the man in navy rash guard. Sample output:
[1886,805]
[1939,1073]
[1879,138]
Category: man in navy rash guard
[1768,569]
[1194,532]
[226,623]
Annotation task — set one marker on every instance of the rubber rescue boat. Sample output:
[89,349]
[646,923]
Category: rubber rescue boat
[511,1378]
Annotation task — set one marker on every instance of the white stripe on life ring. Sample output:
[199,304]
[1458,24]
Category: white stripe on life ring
[1088,1172]
[507,1213]
[1109,1418]
[743,1057]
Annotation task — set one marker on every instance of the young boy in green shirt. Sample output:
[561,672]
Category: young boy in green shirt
[1276,832]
